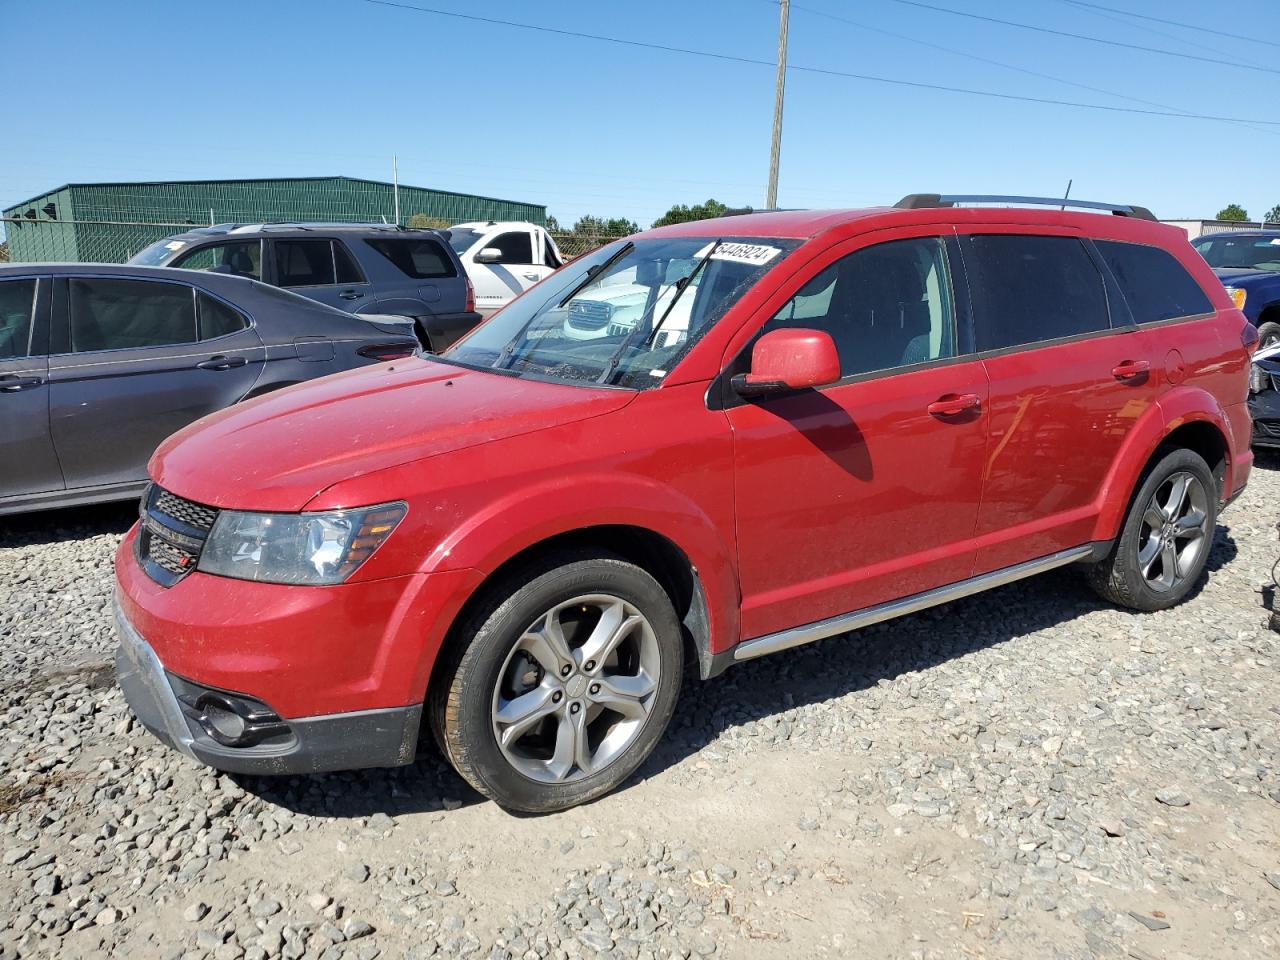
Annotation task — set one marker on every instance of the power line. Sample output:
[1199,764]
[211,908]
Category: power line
[997,63]
[1173,23]
[821,71]
[1083,36]
[1129,25]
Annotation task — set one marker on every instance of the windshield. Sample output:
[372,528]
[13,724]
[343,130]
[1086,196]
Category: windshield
[1254,253]
[463,240]
[158,253]
[623,315]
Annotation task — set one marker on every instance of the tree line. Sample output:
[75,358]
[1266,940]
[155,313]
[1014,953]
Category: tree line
[1238,214]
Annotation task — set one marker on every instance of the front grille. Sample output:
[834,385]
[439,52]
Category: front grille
[589,314]
[172,535]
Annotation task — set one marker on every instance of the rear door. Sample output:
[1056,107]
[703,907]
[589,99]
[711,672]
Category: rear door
[1067,384]
[30,464]
[323,270]
[134,361]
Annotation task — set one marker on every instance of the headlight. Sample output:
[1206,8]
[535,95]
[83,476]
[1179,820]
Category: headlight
[304,548]
[1237,296]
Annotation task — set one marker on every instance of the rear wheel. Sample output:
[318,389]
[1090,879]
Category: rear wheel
[570,677]
[1164,544]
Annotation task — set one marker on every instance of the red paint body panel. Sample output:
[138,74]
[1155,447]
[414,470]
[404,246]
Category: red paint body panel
[790,510]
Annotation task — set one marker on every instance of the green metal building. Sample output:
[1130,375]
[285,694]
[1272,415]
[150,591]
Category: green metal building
[109,222]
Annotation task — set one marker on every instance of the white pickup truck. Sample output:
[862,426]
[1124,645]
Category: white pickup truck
[503,258]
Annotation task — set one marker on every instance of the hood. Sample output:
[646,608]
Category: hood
[1235,276]
[278,451]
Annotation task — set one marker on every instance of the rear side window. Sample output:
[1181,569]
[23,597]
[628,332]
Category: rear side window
[240,258]
[111,314]
[17,298]
[347,270]
[215,318]
[1155,285]
[418,258]
[1028,289]
[304,263]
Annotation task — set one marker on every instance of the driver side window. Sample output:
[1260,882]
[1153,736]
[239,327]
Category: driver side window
[885,306]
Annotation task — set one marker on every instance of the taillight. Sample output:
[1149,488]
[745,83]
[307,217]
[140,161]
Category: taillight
[471,297]
[383,352]
[1249,337]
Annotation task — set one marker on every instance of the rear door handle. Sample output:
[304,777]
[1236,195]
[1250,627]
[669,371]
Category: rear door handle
[350,295]
[530,276]
[1130,369]
[12,384]
[950,404]
[221,363]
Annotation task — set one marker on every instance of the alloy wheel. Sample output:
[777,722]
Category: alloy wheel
[1174,532]
[576,688]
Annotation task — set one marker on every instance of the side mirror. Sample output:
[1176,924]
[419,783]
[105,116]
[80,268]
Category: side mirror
[488,255]
[789,360]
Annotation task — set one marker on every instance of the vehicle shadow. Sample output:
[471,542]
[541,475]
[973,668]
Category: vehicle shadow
[747,693]
[67,523]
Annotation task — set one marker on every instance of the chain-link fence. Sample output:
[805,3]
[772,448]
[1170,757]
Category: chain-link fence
[115,241]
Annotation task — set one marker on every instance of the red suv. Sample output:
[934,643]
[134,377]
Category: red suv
[710,441]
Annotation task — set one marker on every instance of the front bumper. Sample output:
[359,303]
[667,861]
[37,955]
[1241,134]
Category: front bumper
[343,741]
[1264,408]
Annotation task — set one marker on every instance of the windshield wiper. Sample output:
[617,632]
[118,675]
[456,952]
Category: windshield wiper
[593,272]
[681,286]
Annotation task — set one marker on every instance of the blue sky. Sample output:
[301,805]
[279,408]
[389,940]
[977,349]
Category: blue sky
[132,90]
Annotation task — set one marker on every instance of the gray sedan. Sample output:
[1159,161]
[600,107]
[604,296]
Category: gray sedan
[100,363]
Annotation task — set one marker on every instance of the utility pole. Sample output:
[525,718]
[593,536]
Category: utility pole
[771,197]
[395,186]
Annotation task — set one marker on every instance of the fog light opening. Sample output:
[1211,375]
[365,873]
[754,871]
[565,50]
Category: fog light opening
[222,721]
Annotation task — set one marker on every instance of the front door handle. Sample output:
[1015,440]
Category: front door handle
[350,295]
[1130,369]
[951,404]
[530,276]
[12,384]
[221,363]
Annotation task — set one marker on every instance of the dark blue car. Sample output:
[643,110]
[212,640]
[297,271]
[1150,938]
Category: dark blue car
[1248,264]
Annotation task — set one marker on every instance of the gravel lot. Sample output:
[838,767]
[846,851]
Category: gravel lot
[1023,774]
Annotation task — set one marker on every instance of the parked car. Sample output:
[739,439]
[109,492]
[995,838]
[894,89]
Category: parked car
[503,259]
[1264,397]
[1248,264]
[360,268]
[869,412]
[99,363]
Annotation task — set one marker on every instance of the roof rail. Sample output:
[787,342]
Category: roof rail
[924,201]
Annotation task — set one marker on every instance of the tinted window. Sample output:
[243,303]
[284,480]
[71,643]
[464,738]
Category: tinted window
[885,306]
[242,258]
[549,254]
[1028,289]
[110,314]
[421,259]
[216,318]
[347,269]
[1155,285]
[303,263]
[515,247]
[17,299]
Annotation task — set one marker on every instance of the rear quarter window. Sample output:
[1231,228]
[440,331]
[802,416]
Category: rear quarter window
[418,258]
[1155,285]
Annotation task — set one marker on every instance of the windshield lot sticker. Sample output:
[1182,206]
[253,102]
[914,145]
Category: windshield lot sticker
[755,254]
[174,245]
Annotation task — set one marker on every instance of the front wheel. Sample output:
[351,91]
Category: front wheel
[1164,544]
[569,679]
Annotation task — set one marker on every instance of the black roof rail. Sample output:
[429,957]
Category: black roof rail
[924,201]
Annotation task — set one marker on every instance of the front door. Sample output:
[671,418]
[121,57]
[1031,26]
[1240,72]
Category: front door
[1067,385]
[30,464]
[867,490]
[516,270]
[141,359]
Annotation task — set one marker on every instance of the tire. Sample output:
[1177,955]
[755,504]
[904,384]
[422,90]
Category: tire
[1268,334]
[1152,566]
[514,703]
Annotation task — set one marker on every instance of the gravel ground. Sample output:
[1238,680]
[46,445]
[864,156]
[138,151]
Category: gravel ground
[1028,773]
